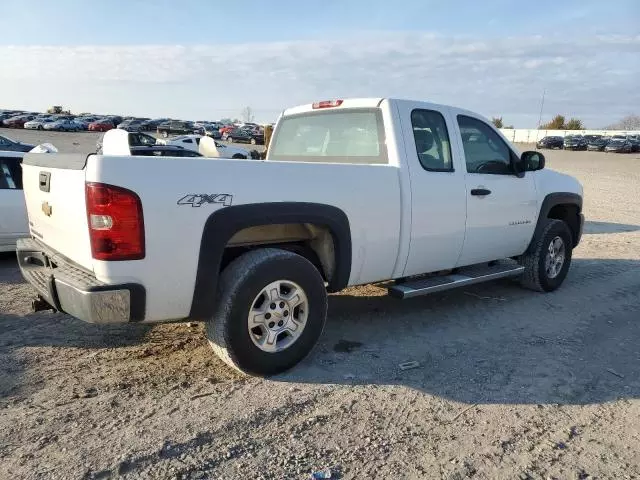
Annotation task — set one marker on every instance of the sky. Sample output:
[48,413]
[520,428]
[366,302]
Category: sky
[204,60]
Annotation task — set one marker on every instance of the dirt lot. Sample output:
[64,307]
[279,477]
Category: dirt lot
[511,384]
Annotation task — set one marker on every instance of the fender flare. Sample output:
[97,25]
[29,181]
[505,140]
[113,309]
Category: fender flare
[550,201]
[224,223]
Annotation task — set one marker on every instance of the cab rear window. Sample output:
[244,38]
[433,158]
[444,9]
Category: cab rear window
[342,136]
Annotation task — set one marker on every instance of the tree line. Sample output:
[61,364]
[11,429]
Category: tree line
[559,122]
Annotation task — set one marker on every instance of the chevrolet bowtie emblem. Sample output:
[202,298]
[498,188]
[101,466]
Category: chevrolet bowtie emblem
[46,209]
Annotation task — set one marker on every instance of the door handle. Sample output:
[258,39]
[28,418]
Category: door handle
[480,192]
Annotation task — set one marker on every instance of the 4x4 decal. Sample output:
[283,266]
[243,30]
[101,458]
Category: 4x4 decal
[198,199]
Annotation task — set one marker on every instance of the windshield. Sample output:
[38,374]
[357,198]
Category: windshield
[347,136]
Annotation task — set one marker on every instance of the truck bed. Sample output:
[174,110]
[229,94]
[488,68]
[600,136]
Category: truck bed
[179,194]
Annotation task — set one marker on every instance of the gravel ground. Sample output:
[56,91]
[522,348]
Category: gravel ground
[511,383]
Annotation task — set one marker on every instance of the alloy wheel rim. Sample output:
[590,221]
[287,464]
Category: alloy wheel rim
[278,316]
[555,257]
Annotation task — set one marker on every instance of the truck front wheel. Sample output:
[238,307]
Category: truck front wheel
[270,311]
[547,261]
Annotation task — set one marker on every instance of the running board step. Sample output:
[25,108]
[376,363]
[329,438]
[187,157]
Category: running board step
[469,276]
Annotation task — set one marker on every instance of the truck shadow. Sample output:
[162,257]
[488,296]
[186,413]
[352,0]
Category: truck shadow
[594,228]
[18,333]
[495,343]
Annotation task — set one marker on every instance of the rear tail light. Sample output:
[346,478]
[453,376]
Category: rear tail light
[327,104]
[116,224]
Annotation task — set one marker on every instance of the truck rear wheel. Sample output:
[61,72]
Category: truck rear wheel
[270,311]
[547,263]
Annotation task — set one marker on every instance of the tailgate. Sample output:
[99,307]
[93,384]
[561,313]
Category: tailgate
[54,190]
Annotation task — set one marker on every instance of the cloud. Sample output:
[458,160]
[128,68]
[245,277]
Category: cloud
[594,77]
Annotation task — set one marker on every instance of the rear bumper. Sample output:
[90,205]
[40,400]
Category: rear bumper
[71,289]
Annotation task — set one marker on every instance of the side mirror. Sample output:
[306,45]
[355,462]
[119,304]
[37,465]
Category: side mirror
[532,161]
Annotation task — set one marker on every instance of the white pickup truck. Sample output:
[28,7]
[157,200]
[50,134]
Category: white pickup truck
[421,196]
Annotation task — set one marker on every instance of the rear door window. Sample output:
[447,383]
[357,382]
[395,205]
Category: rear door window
[432,140]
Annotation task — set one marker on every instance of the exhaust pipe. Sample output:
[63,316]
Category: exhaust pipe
[39,304]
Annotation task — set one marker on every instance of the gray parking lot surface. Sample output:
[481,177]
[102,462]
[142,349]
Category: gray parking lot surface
[508,383]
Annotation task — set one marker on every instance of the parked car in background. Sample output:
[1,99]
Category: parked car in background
[226,128]
[37,123]
[133,125]
[598,144]
[574,142]
[177,127]
[135,139]
[102,125]
[618,145]
[152,125]
[115,119]
[635,142]
[243,136]
[86,119]
[550,142]
[82,123]
[192,142]
[162,151]
[8,144]
[13,220]
[139,139]
[17,121]
[63,125]
[213,131]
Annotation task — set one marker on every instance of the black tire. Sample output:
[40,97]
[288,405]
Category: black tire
[40,127]
[535,275]
[239,284]
[237,156]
